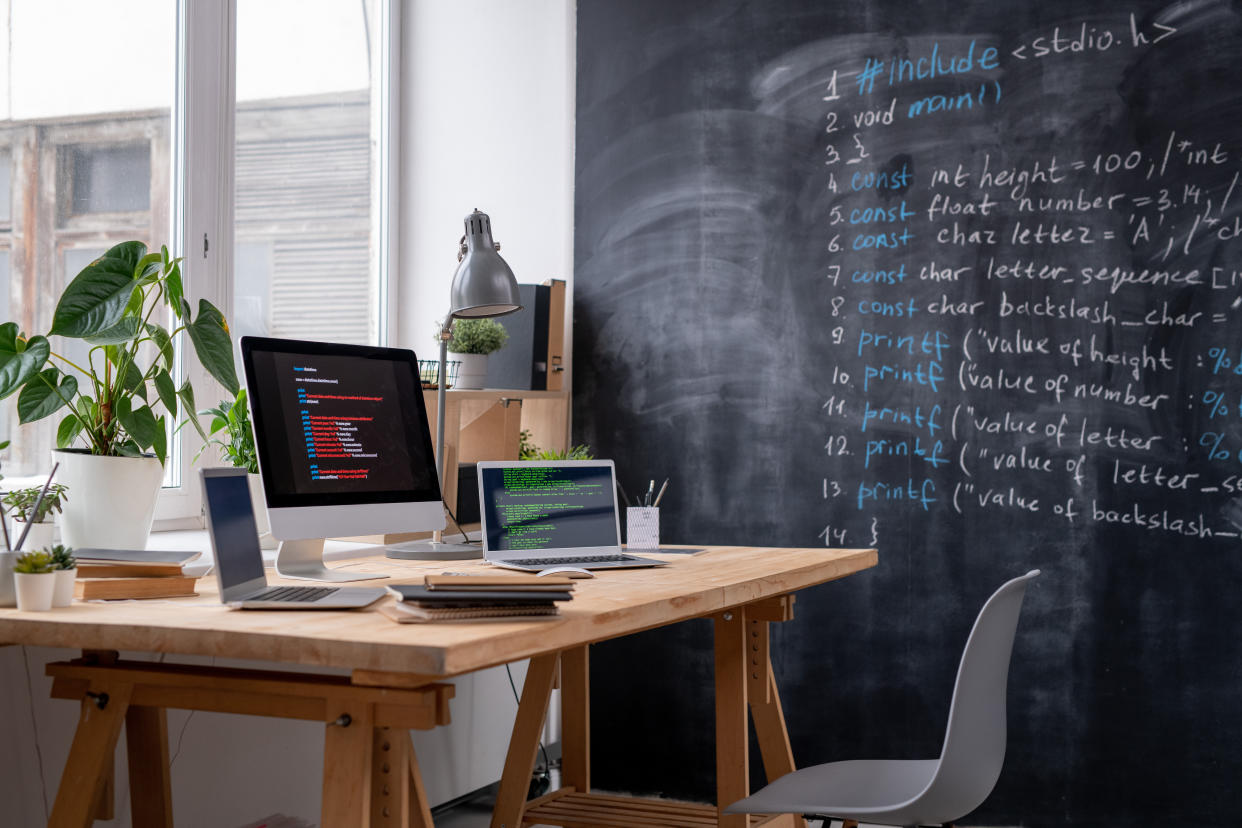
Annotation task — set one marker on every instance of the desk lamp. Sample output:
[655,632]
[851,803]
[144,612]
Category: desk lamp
[483,286]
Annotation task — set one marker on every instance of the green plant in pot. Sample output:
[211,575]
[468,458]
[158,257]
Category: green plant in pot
[230,431]
[116,405]
[66,568]
[34,575]
[20,505]
[472,341]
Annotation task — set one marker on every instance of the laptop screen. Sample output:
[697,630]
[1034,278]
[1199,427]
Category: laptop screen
[234,536]
[535,507]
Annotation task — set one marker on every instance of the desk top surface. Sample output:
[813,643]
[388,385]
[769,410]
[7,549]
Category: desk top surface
[614,603]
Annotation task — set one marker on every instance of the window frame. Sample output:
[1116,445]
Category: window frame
[203,194]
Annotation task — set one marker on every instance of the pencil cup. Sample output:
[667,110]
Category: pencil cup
[642,527]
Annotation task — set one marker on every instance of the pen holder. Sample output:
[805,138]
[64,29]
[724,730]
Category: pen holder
[642,527]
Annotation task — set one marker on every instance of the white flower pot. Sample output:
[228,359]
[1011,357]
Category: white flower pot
[472,373]
[41,535]
[111,499]
[261,521]
[34,591]
[8,595]
[62,592]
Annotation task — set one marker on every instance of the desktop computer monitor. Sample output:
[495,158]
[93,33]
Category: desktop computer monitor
[344,446]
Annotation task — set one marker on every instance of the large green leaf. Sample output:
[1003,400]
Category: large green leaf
[129,252]
[148,269]
[213,345]
[45,393]
[123,331]
[141,425]
[19,360]
[96,298]
[163,342]
[175,292]
[166,389]
[186,393]
[68,431]
[160,444]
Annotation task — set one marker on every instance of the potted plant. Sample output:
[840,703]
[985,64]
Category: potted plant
[66,568]
[472,341]
[35,581]
[20,505]
[230,431]
[117,405]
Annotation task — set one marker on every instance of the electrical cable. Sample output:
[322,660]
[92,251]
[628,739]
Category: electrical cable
[35,725]
[464,537]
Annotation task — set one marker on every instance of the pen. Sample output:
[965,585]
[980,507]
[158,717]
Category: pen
[661,494]
[650,492]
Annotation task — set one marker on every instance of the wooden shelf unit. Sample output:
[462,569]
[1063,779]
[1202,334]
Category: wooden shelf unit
[487,425]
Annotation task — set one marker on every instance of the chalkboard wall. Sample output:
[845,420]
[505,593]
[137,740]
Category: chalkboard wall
[961,281]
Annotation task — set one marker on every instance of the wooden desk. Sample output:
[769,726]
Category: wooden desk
[741,588]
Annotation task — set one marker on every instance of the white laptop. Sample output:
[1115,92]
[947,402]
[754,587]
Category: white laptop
[239,561]
[544,514]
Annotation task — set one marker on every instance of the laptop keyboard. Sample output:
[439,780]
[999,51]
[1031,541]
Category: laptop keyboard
[586,559]
[298,594]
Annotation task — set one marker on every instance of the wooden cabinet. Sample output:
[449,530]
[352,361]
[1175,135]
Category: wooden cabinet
[487,425]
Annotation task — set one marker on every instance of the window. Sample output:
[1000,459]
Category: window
[263,170]
[305,220]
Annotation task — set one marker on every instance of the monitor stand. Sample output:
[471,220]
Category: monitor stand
[303,559]
[435,549]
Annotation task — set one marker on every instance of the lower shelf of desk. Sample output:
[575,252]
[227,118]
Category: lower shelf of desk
[571,809]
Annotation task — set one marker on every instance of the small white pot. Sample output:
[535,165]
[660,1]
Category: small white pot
[34,591]
[41,536]
[111,499]
[261,520]
[62,593]
[472,373]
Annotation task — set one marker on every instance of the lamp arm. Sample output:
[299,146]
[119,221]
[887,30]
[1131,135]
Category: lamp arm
[441,461]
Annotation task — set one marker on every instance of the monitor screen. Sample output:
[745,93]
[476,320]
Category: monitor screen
[338,425]
[535,506]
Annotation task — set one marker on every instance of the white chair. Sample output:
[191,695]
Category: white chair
[921,791]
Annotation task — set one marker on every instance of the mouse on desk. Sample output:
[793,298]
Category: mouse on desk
[567,572]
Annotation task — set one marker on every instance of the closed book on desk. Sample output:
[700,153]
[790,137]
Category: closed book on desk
[422,596]
[126,570]
[548,583]
[175,586]
[404,613]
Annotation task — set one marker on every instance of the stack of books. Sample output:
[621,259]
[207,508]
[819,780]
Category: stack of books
[132,573]
[470,597]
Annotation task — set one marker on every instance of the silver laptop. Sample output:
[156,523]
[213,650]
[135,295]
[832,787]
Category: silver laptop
[239,562]
[554,513]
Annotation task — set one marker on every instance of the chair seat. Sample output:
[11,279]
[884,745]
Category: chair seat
[874,789]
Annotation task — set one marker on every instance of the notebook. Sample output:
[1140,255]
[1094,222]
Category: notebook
[553,513]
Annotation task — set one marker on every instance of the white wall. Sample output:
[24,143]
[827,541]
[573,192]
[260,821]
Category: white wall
[486,96]
[487,114]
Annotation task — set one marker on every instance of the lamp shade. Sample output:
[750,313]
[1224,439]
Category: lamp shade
[484,284]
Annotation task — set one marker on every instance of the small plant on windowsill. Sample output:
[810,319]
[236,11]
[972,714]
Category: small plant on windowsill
[121,399]
[231,432]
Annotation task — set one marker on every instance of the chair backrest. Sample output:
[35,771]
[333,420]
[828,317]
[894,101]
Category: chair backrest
[974,743]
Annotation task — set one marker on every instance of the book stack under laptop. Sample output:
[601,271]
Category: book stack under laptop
[471,597]
[132,573]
